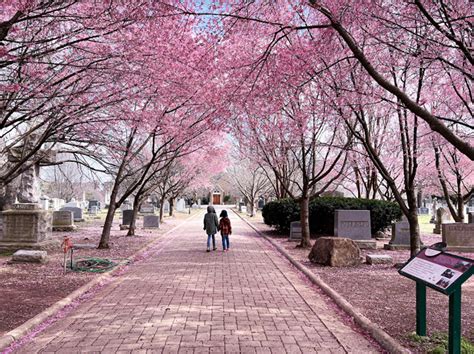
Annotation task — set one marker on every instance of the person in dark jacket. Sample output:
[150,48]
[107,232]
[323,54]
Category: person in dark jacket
[210,225]
[226,229]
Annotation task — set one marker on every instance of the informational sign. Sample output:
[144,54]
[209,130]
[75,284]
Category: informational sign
[441,271]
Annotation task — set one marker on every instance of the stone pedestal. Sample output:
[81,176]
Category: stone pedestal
[26,226]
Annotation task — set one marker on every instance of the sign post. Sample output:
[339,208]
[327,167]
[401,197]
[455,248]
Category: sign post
[454,344]
[420,309]
[443,272]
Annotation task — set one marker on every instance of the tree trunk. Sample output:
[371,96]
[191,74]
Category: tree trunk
[133,224]
[162,202]
[252,207]
[109,219]
[415,242]
[171,206]
[412,217]
[305,233]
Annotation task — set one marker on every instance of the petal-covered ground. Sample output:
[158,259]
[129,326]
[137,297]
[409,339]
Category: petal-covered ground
[381,294]
[28,289]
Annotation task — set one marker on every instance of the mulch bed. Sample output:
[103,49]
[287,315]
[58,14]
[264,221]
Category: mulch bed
[384,296]
[28,289]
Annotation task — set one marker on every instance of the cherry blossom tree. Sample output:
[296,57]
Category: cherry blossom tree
[251,181]
[455,176]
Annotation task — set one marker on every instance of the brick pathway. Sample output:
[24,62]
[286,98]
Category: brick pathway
[182,299]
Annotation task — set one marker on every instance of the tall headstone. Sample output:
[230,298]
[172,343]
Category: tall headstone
[442,216]
[63,220]
[77,212]
[26,226]
[166,206]
[470,218]
[423,211]
[400,236]
[151,222]
[295,231]
[127,216]
[93,210]
[180,205]
[93,203]
[44,202]
[459,237]
[354,225]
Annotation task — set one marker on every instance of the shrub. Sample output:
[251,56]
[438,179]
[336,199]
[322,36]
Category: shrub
[280,213]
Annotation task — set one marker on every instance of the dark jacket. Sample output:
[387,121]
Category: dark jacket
[225,227]
[210,221]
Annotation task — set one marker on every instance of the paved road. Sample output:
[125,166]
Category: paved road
[182,299]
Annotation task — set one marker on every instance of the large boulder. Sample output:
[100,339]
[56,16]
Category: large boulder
[335,252]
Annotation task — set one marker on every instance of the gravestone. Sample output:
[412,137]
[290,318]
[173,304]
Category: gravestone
[180,205]
[400,236]
[295,231]
[57,203]
[354,225]
[335,252]
[76,211]
[261,204]
[93,210]
[44,202]
[442,216]
[72,204]
[63,220]
[93,207]
[29,256]
[423,211]
[126,206]
[166,206]
[127,216]
[147,208]
[26,226]
[458,237]
[470,218]
[151,221]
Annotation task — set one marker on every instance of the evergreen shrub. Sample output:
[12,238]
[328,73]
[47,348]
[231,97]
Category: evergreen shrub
[281,213]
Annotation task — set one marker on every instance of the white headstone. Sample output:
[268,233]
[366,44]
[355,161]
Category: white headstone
[295,231]
[180,205]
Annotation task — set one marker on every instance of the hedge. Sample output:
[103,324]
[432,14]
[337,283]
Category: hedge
[281,213]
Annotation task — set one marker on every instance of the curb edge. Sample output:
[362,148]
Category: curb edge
[382,337]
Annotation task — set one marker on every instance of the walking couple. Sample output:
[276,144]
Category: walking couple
[212,225]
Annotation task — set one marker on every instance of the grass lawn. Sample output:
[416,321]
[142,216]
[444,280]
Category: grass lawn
[425,226]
